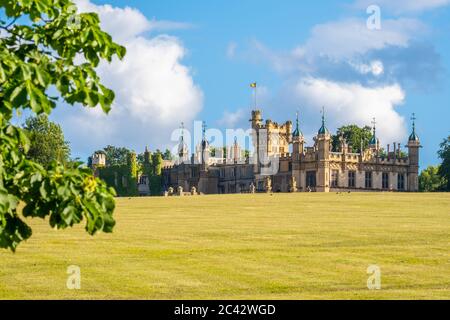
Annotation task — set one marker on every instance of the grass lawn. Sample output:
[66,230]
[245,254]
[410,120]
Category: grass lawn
[285,246]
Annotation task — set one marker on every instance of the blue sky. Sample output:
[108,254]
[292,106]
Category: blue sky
[194,60]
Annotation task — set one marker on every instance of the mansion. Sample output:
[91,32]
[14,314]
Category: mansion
[282,163]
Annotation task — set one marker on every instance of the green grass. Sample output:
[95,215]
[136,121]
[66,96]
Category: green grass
[285,246]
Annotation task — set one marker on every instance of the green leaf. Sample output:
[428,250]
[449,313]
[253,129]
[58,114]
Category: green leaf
[19,96]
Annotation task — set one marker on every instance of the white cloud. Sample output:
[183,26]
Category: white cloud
[404,6]
[344,41]
[353,103]
[337,69]
[350,37]
[154,90]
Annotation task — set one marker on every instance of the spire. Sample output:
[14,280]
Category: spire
[204,142]
[323,129]
[413,136]
[182,131]
[373,140]
[297,132]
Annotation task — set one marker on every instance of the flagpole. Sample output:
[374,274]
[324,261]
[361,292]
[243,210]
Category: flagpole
[256,105]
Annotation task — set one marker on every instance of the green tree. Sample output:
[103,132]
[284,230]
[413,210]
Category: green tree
[116,156]
[167,155]
[353,135]
[47,141]
[430,180]
[157,161]
[156,177]
[39,45]
[444,154]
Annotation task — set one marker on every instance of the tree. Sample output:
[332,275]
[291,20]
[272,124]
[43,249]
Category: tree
[47,141]
[444,154]
[41,46]
[116,156]
[167,155]
[430,180]
[156,178]
[353,135]
[157,161]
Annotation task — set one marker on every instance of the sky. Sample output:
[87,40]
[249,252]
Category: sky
[194,60]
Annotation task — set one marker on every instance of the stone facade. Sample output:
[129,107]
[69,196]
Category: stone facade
[274,168]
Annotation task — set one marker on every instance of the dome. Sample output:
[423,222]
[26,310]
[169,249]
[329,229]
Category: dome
[297,132]
[373,140]
[413,136]
[323,130]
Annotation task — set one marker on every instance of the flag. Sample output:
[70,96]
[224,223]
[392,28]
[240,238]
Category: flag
[253,85]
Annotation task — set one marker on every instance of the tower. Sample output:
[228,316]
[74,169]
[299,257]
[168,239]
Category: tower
[204,149]
[298,142]
[257,124]
[207,183]
[413,156]
[373,143]
[183,154]
[323,141]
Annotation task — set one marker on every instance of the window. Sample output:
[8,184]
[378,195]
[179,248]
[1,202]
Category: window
[368,180]
[143,180]
[351,179]
[401,182]
[385,180]
[311,179]
[334,178]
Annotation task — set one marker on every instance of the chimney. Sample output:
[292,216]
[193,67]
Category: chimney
[388,151]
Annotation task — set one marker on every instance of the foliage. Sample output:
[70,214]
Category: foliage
[354,135]
[132,165]
[157,161]
[167,155]
[156,185]
[36,55]
[383,153]
[116,156]
[47,141]
[430,180]
[119,178]
[444,154]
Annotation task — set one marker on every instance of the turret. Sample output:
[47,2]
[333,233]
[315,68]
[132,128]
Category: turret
[298,141]
[256,119]
[323,140]
[413,156]
[373,143]
[205,149]
[182,147]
